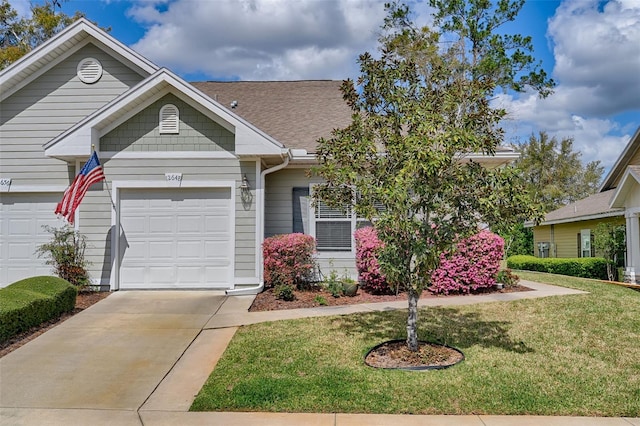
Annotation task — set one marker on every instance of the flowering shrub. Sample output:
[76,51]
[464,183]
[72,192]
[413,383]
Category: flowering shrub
[288,259]
[371,277]
[473,264]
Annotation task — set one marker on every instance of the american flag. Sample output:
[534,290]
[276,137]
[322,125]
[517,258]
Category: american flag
[90,174]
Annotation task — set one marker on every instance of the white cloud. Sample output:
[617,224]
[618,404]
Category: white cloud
[597,49]
[597,66]
[259,39]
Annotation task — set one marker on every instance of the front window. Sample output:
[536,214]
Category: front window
[333,228]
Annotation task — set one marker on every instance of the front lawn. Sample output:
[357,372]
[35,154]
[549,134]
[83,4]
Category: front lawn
[567,355]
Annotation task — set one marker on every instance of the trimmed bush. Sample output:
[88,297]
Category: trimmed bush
[473,264]
[288,260]
[372,280]
[32,301]
[583,267]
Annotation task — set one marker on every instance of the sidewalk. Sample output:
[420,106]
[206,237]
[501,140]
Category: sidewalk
[167,402]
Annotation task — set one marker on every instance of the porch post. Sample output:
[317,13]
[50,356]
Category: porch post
[633,245]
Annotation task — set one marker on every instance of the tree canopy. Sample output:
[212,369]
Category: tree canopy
[554,171]
[420,111]
[19,35]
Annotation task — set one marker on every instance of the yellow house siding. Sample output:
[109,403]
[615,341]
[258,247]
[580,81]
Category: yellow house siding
[564,236]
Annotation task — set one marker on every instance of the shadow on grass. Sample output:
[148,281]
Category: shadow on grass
[438,325]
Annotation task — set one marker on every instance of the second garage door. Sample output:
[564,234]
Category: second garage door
[22,217]
[176,238]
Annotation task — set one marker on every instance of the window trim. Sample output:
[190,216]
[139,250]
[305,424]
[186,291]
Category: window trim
[352,219]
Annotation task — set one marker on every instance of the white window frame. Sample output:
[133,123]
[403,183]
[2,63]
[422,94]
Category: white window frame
[313,220]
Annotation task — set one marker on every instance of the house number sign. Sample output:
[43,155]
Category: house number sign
[173,179]
[5,183]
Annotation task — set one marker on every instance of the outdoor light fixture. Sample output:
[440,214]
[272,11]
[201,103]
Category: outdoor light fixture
[245,192]
[244,186]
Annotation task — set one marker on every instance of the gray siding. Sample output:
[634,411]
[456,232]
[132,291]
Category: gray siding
[95,210]
[141,132]
[279,216]
[49,105]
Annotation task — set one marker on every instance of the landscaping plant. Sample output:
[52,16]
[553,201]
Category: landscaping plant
[472,264]
[610,241]
[368,246]
[421,111]
[66,253]
[289,260]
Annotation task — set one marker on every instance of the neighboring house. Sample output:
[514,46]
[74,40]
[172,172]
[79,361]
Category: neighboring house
[568,231]
[197,174]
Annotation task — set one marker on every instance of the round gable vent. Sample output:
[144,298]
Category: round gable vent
[89,70]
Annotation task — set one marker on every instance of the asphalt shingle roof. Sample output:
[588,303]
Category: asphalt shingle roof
[596,204]
[295,113]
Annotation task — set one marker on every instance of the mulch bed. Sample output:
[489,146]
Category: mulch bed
[83,301]
[396,354]
[266,301]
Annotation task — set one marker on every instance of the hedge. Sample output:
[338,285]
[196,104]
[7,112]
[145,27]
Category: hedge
[32,301]
[583,267]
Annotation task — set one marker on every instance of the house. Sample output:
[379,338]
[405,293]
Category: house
[568,231]
[196,174]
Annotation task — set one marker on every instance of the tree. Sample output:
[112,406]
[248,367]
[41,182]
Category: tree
[18,35]
[554,171]
[418,111]
[609,241]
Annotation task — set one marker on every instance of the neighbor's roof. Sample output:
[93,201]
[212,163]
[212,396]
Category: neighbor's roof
[595,206]
[295,113]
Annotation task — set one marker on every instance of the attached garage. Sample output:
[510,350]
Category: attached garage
[176,238]
[22,217]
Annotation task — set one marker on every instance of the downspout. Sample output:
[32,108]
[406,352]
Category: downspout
[258,289]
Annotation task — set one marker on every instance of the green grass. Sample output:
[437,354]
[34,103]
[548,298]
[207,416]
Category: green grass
[566,355]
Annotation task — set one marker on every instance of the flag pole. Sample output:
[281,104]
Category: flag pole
[106,185]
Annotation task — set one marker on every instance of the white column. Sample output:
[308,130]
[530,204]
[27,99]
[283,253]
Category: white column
[633,244]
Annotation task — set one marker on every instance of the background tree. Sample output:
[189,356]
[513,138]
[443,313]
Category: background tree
[418,111]
[19,35]
[555,172]
[609,241]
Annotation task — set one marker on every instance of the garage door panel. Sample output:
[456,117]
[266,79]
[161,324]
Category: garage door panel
[22,216]
[182,238]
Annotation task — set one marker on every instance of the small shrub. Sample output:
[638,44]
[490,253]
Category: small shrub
[507,278]
[332,284]
[583,267]
[284,292]
[372,280]
[32,301]
[288,260]
[473,264]
[65,252]
[320,300]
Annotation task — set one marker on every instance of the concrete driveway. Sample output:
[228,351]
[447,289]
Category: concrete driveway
[111,356]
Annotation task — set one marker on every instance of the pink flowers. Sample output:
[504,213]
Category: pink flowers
[288,259]
[472,265]
[371,278]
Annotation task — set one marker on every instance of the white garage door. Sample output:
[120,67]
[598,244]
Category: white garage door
[21,219]
[176,238]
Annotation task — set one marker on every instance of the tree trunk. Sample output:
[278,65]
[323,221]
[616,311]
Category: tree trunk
[412,321]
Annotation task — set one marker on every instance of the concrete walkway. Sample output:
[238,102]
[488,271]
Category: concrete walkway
[140,357]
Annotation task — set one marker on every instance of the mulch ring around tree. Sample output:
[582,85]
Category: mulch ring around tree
[396,354]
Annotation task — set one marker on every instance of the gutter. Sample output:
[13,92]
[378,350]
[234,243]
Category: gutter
[250,291]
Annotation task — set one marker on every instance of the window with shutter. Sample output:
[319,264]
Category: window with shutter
[169,119]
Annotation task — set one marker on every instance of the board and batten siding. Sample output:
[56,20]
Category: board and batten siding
[564,235]
[49,105]
[141,132]
[96,210]
[279,216]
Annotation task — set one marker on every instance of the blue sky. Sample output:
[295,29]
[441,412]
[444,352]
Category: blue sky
[591,48]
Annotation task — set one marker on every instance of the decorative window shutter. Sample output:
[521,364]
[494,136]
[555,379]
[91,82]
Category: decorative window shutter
[169,119]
